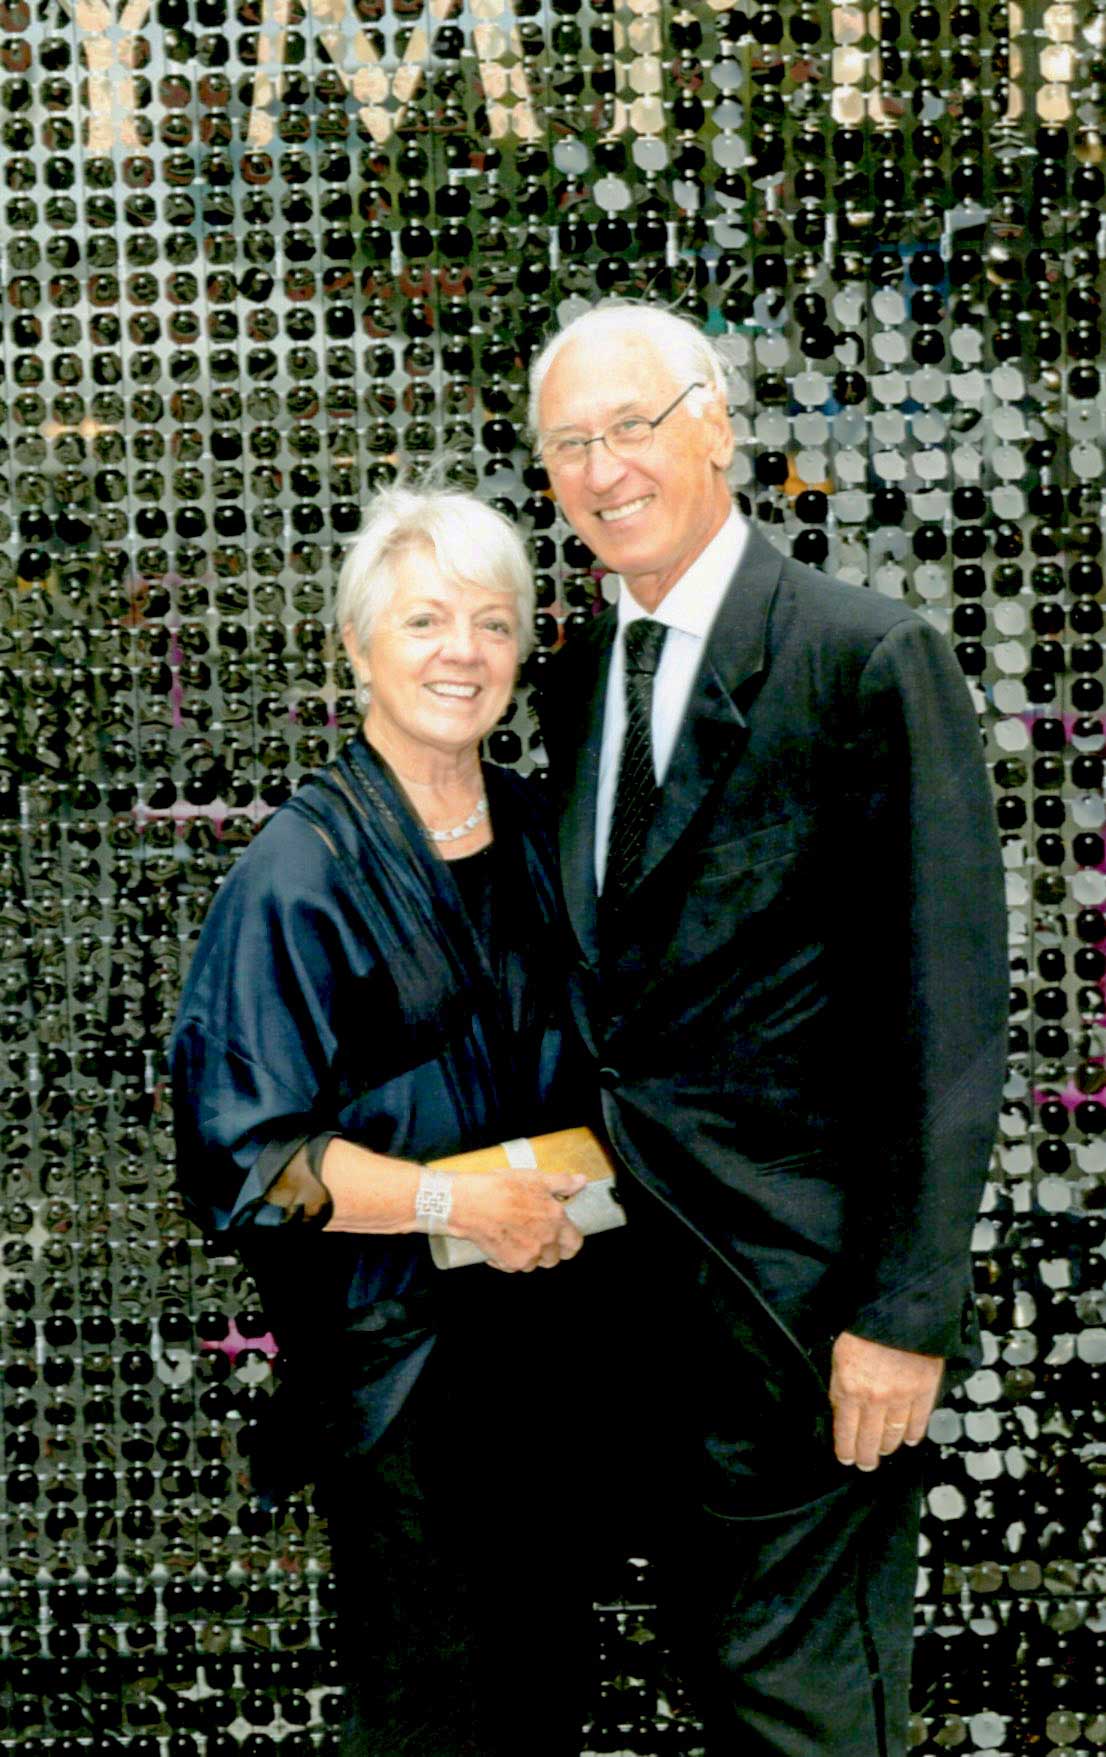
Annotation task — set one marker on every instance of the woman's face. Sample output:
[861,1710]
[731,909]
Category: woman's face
[441,662]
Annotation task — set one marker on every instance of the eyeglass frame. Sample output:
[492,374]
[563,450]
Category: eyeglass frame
[601,438]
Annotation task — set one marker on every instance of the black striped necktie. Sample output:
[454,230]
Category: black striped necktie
[637,792]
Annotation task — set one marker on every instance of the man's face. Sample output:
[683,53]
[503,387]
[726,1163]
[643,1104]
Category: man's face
[647,517]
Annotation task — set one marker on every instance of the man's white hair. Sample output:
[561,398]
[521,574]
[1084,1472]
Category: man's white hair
[472,543]
[688,354]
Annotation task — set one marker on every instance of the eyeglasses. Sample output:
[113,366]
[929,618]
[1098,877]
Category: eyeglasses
[566,453]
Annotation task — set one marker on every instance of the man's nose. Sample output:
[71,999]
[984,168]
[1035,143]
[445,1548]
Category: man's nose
[602,466]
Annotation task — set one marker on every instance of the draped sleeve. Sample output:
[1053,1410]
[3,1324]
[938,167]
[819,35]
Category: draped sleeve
[254,1039]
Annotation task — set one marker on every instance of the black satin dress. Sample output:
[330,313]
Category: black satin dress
[349,982]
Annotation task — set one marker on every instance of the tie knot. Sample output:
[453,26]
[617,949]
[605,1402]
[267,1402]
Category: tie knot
[644,639]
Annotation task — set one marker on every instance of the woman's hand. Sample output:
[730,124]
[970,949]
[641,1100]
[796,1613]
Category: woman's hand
[517,1218]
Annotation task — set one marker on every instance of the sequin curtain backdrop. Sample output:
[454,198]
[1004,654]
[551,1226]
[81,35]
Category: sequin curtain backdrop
[253,255]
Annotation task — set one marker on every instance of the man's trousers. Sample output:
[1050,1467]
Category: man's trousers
[786,1580]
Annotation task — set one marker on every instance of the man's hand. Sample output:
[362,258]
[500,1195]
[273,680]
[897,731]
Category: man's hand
[517,1217]
[882,1398]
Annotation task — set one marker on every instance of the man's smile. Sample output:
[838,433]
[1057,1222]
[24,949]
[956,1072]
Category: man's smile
[611,514]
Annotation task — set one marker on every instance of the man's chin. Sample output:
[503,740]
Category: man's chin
[619,553]
[631,564]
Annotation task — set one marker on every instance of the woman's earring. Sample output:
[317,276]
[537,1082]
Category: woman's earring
[362,695]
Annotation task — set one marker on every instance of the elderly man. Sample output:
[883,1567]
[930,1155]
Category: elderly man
[781,868]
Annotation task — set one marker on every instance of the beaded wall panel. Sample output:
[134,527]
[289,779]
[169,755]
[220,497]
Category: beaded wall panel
[256,253]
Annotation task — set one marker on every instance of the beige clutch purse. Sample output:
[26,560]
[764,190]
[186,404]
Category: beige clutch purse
[593,1209]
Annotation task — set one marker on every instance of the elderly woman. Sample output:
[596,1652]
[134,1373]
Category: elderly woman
[379,984]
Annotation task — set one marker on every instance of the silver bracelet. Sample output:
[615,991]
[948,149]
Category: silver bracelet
[434,1200]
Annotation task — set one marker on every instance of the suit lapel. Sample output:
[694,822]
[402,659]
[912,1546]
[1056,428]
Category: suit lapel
[713,731]
[577,833]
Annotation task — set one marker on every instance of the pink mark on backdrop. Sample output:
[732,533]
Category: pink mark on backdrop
[233,1343]
[1069,721]
[1069,1096]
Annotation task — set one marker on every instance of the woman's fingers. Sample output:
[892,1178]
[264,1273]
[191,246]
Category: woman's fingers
[563,1185]
[517,1218]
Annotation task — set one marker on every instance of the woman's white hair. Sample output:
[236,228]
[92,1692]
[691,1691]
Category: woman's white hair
[472,544]
[688,354]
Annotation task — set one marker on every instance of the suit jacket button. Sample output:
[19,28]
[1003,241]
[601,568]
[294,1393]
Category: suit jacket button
[609,1077]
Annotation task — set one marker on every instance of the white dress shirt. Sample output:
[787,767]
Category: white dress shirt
[687,611]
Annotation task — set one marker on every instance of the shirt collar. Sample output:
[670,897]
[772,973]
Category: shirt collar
[693,602]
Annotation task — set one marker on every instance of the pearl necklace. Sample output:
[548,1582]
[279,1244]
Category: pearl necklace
[458,830]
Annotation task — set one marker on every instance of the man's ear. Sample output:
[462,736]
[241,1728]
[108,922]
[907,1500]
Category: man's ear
[719,430]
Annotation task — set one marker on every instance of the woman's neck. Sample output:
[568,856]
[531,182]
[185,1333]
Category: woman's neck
[445,790]
[426,770]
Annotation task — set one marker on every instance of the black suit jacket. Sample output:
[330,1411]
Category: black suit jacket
[799,1011]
